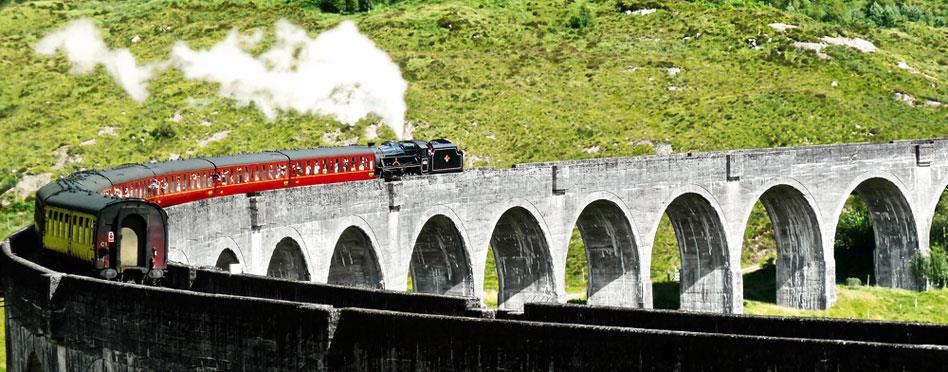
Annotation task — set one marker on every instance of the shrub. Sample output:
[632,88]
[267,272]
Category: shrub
[162,131]
[623,5]
[342,6]
[853,282]
[932,269]
[581,17]
[855,242]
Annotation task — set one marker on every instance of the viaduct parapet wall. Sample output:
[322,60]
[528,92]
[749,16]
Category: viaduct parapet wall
[438,228]
[62,322]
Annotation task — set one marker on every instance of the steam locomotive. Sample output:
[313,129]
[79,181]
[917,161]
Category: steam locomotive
[115,222]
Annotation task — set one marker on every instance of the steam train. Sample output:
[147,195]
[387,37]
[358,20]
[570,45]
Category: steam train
[114,221]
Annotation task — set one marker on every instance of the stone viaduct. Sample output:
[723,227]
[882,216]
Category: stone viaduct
[438,229]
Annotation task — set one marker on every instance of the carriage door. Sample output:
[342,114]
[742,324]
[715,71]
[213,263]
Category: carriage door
[132,238]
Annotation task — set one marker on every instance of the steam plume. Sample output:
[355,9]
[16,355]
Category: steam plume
[340,73]
[84,48]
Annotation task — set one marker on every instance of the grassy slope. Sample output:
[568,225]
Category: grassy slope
[871,303]
[509,81]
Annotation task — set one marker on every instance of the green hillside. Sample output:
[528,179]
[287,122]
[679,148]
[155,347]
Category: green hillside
[510,81]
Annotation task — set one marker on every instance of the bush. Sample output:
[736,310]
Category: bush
[853,282]
[880,13]
[932,269]
[342,6]
[855,242]
[162,131]
[581,17]
[624,5]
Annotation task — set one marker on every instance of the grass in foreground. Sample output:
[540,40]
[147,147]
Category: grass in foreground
[872,303]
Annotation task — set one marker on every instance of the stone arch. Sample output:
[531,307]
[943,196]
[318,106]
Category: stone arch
[611,252]
[894,228]
[227,249]
[288,261]
[439,262]
[226,258]
[801,264]
[706,282]
[524,264]
[354,262]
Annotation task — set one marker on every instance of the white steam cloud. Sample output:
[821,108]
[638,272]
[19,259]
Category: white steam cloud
[340,73]
[84,48]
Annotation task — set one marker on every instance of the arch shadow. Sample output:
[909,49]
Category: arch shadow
[894,231]
[705,283]
[288,261]
[611,255]
[33,364]
[800,266]
[524,265]
[354,262]
[225,259]
[439,260]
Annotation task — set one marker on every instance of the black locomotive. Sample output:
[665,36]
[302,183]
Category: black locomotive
[398,158]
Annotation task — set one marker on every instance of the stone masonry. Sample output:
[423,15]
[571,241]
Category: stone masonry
[438,228]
